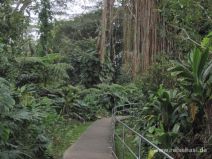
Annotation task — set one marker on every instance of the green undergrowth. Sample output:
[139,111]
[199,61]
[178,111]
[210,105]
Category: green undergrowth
[64,134]
[120,150]
[132,141]
[129,140]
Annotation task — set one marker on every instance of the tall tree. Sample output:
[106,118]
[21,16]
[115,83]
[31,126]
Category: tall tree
[13,24]
[152,28]
[104,41]
[140,35]
[45,19]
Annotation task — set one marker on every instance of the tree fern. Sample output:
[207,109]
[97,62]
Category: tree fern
[45,69]
[58,71]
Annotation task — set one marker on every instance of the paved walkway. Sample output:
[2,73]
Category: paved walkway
[95,143]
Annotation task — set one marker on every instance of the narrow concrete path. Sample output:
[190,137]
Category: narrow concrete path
[95,143]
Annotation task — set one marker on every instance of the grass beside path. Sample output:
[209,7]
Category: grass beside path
[64,135]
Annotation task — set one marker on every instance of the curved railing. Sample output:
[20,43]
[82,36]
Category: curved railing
[123,112]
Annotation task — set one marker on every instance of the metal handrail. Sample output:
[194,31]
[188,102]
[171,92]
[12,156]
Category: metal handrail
[115,111]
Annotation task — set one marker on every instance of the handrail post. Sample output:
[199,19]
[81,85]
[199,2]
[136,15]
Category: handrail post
[123,139]
[139,148]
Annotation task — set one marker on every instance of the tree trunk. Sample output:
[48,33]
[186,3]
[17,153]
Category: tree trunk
[141,34]
[105,36]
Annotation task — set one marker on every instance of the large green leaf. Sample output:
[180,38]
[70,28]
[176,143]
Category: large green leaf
[6,99]
[196,59]
[4,133]
[207,72]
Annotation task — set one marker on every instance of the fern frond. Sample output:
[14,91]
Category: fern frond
[58,71]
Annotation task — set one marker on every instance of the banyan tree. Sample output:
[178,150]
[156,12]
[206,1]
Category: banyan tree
[140,35]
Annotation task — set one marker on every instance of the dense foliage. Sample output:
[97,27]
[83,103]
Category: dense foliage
[58,79]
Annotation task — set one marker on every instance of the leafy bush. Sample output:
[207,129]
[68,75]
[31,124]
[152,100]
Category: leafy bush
[46,69]
[93,103]
[195,78]
[20,133]
[156,75]
[87,69]
[180,116]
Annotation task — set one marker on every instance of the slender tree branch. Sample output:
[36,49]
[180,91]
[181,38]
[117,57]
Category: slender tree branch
[188,37]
